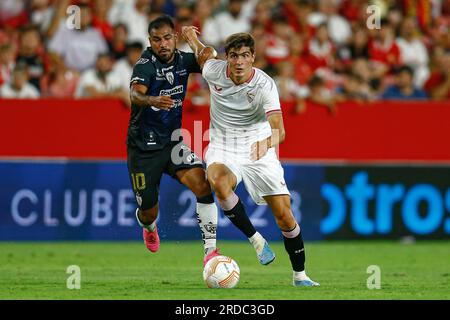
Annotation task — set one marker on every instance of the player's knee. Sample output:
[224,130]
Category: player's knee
[221,185]
[201,189]
[285,219]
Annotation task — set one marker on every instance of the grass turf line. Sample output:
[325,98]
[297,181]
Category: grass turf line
[126,270]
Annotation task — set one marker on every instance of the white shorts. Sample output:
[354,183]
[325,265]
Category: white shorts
[264,177]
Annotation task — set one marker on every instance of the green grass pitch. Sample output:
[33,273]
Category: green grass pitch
[126,270]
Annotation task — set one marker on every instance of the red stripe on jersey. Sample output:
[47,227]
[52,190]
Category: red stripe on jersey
[269,113]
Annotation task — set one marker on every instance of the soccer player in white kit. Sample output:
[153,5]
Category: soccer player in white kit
[246,125]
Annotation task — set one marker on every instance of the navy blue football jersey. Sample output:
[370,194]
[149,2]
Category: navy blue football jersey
[151,128]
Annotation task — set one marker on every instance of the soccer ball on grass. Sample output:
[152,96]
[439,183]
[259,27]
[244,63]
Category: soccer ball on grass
[221,272]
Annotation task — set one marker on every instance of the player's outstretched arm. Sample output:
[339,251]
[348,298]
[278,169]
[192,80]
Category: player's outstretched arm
[139,98]
[202,52]
[259,149]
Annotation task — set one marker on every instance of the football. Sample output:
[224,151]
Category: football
[221,272]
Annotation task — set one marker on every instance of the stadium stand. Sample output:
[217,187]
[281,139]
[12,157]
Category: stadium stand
[336,57]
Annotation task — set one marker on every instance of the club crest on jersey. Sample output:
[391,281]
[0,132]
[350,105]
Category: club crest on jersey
[250,96]
[169,77]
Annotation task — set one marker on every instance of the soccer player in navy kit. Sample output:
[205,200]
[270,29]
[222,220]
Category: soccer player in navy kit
[158,88]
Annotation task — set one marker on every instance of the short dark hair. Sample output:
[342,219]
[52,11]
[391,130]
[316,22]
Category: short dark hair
[163,20]
[106,54]
[239,40]
[29,28]
[135,45]
[84,6]
[121,25]
[315,81]
[404,68]
[21,67]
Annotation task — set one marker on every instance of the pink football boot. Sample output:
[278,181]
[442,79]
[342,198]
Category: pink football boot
[209,256]
[151,239]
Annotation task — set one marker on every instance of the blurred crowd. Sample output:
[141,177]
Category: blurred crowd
[325,51]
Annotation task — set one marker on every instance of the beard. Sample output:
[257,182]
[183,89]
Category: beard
[166,56]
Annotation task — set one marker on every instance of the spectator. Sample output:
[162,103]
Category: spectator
[124,67]
[338,27]
[351,10]
[262,16]
[290,91]
[6,62]
[100,18]
[320,94]
[438,85]
[19,87]
[41,14]
[79,48]
[134,14]
[102,82]
[59,82]
[303,70]
[357,48]
[184,17]
[362,69]
[261,61]
[58,15]
[30,54]
[320,50]
[404,88]
[383,50]
[165,6]
[13,14]
[413,52]
[224,24]
[277,45]
[354,89]
[203,11]
[303,9]
[118,44]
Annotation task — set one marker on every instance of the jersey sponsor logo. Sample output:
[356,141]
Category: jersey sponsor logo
[169,77]
[170,92]
[142,61]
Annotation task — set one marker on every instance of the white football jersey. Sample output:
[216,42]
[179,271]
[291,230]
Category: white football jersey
[239,111]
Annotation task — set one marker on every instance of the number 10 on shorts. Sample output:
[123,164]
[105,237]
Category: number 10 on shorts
[138,180]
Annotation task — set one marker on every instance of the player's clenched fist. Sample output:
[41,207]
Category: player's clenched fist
[162,102]
[189,33]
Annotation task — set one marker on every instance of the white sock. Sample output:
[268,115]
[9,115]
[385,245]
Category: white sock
[257,241]
[207,216]
[300,275]
[149,227]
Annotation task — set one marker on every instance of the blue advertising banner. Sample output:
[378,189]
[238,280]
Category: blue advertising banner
[80,200]
[94,201]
